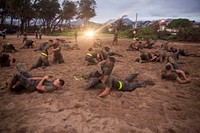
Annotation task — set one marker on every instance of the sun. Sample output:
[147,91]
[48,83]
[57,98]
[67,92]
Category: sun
[89,33]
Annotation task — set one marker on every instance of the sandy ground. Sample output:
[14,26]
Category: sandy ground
[166,107]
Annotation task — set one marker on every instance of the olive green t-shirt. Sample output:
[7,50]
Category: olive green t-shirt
[48,85]
[171,76]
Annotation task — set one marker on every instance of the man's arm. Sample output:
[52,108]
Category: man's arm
[56,49]
[40,85]
[105,92]
[99,66]
[35,78]
[50,50]
[182,81]
[104,78]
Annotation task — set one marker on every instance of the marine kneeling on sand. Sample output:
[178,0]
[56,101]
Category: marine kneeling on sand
[6,60]
[105,68]
[95,56]
[8,48]
[57,55]
[43,59]
[28,44]
[24,79]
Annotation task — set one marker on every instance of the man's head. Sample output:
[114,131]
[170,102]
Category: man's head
[168,67]
[57,41]
[112,59]
[50,42]
[90,49]
[13,60]
[106,48]
[58,83]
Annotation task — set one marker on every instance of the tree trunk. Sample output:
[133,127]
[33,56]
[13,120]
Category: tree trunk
[69,23]
[22,25]
[11,22]
[2,20]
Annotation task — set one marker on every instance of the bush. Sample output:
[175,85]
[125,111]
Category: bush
[189,34]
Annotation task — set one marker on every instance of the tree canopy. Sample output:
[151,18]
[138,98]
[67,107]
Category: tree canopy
[180,23]
[86,9]
[48,13]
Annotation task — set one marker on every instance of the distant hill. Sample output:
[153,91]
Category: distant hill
[127,21]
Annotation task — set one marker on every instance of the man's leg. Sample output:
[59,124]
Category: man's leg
[60,59]
[94,74]
[45,62]
[132,86]
[131,77]
[54,59]
[25,82]
[38,64]
[92,83]
[91,61]
[21,69]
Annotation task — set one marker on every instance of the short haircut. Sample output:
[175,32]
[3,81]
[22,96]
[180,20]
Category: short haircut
[62,82]
[107,48]
[13,60]
[168,67]
[57,39]
[112,59]
[90,49]
[50,40]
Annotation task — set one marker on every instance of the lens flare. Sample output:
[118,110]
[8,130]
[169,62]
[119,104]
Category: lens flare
[89,33]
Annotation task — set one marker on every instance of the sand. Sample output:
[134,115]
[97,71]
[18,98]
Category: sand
[166,107]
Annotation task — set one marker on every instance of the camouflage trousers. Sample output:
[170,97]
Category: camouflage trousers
[20,80]
[58,58]
[42,61]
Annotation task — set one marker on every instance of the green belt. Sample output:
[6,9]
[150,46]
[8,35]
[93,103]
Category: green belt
[44,54]
[120,85]
[89,54]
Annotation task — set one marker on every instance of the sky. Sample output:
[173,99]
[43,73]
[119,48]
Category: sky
[147,9]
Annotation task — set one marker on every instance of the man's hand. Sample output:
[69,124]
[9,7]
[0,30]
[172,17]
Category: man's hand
[46,78]
[188,79]
[100,71]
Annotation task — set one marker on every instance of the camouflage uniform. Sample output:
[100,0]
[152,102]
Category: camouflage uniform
[57,57]
[8,48]
[115,40]
[98,55]
[28,44]
[4,60]
[43,59]
[121,85]
[22,79]
[145,57]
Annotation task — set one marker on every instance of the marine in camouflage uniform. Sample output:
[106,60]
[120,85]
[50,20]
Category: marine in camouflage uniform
[43,59]
[105,68]
[6,60]
[28,44]
[8,48]
[110,52]
[30,83]
[57,56]
[170,73]
[121,85]
[95,56]
[115,40]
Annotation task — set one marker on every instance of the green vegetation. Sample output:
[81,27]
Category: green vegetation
[186,32]
[48,12]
